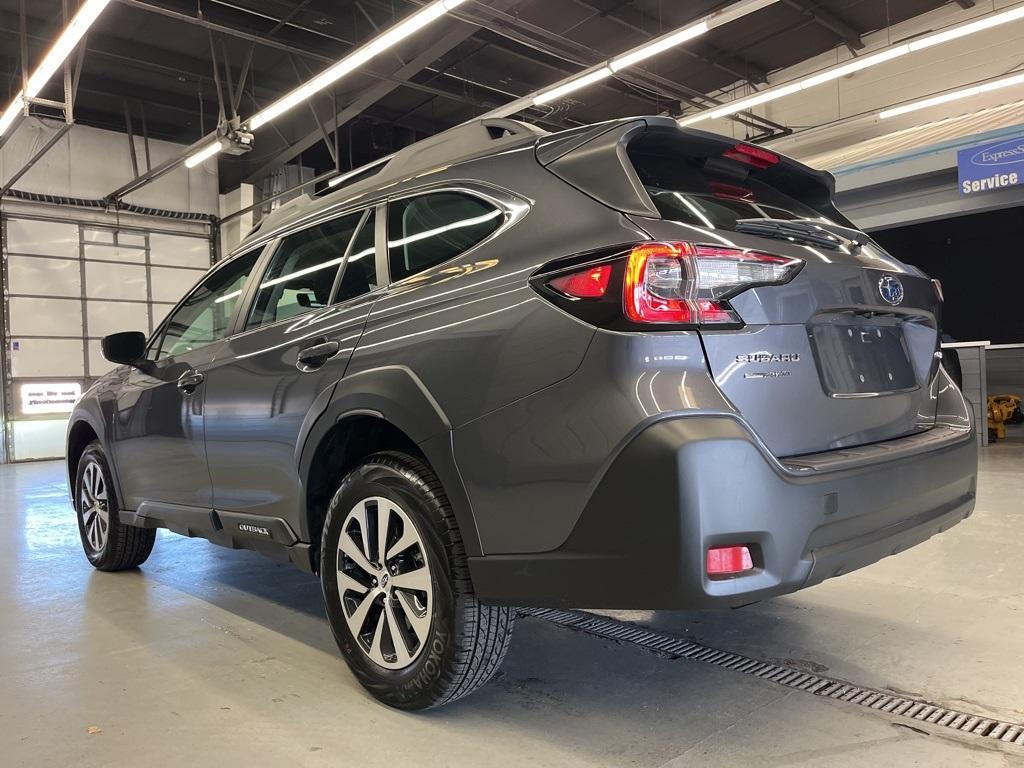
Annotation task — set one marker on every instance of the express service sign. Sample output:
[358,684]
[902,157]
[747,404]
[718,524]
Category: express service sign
[990,167]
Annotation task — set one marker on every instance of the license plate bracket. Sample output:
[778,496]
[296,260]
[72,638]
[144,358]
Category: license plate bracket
[862,359]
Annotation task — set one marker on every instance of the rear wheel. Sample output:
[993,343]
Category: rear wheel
[109,544]
[397,588]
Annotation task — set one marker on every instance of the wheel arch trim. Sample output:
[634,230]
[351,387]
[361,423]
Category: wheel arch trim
[395,395]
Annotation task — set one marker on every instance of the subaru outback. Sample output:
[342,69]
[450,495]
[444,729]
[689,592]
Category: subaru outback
[623,366]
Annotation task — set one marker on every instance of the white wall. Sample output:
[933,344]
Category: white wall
[943,67]
[92,163]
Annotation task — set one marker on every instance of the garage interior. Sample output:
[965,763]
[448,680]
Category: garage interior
[134,166]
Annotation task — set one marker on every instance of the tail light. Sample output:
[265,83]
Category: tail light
[672,285]
[687,283]
[590,283]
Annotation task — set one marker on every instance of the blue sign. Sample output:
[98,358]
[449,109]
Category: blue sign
[992,166]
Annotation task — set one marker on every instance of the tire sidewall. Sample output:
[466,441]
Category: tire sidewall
[94,455]
[419,684]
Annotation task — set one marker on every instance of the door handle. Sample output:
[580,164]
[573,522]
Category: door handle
[189,381]
[316,355]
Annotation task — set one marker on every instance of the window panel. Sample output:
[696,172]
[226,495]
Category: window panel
[181,251]
[106,317]
[115,281]
[301,272]
[49,238]
[171,284]
[430,229]
[45,317]
[204,316]
[57,358]
[101,252]
[360,269]
[34,275]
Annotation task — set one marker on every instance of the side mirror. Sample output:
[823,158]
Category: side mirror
[127,348]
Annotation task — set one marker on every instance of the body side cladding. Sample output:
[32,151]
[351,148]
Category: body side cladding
[395,395]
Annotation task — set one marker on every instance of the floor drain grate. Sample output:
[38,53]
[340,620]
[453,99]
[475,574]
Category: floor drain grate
[819,685]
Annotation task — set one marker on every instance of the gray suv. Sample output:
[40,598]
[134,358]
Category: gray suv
[622,366]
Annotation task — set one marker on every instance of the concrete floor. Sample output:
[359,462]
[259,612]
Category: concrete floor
[208,657]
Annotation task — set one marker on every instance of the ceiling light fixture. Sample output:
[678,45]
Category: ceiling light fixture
[55,57]
[205,153]
[963,93]
[425,16]
[630,58]
[856,65]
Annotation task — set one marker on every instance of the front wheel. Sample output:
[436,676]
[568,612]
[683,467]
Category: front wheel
[109,544]
[397,588]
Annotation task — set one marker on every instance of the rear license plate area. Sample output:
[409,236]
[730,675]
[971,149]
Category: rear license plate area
[862,359]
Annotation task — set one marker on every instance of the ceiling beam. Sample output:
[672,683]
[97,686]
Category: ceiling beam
[729,63]
[369,96]
[830,21]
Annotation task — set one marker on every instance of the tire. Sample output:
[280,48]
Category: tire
[109,544]
[410,648]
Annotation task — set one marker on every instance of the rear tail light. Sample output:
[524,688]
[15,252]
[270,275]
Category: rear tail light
[729,561]
[591,283]
[662,285]
[687,283]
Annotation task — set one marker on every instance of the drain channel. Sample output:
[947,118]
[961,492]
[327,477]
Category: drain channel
[819,685]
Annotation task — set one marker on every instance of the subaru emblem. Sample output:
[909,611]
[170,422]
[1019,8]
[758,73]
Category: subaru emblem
[891,289]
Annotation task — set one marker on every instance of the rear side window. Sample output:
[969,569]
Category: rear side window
[682,189]
[430,229]
[360,269]
[302,271]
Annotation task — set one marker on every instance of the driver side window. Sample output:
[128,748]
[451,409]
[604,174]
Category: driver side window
[204,316]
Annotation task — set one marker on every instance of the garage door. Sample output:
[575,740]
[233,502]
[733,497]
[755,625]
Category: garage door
[67,284]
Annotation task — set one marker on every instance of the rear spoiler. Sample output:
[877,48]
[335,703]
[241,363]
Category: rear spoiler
[594,159]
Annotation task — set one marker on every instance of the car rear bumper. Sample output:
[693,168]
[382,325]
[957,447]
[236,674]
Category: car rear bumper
[688,483]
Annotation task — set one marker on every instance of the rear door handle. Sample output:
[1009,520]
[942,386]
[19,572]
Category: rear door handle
[189,381]
[316,355]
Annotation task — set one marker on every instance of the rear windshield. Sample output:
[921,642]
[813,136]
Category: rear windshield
[684,191]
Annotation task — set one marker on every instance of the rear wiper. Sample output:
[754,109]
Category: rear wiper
[784,229]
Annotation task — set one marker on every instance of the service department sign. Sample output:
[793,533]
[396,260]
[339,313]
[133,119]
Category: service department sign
[990,167]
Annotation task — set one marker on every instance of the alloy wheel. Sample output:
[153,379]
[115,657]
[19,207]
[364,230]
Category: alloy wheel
[384,582]
[94,507]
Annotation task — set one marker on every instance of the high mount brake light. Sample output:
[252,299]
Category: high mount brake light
[688,283]
[751,155]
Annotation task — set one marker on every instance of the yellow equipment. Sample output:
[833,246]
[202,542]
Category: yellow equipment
[1002,409]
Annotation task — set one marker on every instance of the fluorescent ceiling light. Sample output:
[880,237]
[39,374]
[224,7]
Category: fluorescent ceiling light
[205,153]
[855,65]
[573,85]
[631,57]
[426,15]
[861,62]
[968,29]
[65,44]
[658,45]
[69,38]
[11,113]
[963,93]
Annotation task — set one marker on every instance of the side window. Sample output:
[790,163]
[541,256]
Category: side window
[360,269]
[432,228]
[204,316]
[301,272]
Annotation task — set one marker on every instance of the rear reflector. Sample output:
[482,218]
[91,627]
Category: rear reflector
[729,561]
[591,283]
